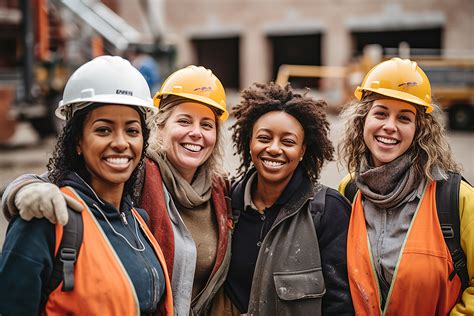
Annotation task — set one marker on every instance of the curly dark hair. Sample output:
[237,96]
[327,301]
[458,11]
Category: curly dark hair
[260,99]
[65,158]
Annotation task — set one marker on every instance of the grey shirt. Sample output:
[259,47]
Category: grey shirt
[184,263]
[387,230]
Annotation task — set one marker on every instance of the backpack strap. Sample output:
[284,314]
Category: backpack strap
[351,190]
[447,205]
[317,205]
[68,251]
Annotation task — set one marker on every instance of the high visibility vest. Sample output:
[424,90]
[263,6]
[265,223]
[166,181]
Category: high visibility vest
[101,283]
[420,284]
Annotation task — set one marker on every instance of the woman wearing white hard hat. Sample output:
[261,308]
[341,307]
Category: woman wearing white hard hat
[183,188]
[118,267]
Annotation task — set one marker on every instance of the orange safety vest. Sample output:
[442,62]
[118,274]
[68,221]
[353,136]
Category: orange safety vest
[420,284]
[101,283]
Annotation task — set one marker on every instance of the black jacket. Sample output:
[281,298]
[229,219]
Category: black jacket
[287,277]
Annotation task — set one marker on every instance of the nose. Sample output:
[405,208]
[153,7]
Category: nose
[274,148]
[195,131]
[120,142]
[390,124]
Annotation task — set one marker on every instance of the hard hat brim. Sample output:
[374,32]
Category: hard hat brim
[145,106]
[223,116]
[399,95]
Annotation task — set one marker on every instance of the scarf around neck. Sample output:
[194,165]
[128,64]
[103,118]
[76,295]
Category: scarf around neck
[389,185]
[188,195]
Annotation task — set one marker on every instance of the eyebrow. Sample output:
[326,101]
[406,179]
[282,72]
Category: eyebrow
[386,108]
[191,116]
[105,120]
[270,131]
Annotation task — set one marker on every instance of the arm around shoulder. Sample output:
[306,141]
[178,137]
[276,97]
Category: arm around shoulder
[8,199]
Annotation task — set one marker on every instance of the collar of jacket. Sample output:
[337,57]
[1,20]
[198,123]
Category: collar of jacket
[74,181]
[292,203]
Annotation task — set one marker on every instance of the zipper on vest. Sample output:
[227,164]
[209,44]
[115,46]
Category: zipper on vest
[124,218]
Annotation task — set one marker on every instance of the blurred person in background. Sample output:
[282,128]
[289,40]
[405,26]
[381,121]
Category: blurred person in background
[396,152]
[147,66]
[289,241]
[184,188]
[120,268]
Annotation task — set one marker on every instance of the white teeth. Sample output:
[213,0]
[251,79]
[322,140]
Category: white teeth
[117,161]
[272,163]
[388,141]
[192,147]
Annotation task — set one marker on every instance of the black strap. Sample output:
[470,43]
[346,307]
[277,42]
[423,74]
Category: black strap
[350,190]
[317,205]
[447,205]
[68,251]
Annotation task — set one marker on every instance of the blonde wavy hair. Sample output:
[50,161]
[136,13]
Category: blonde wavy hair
[429,149]
[214,164]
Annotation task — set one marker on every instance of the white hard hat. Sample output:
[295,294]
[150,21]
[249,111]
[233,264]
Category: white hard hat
[105,79]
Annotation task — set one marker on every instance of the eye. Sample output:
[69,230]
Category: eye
[405,118]
[183,121]
[380,114]
[134,131]
[103,130]
[288,141]
[263,138]
[207,125]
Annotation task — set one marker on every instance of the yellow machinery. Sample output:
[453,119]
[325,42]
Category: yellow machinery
[452,82]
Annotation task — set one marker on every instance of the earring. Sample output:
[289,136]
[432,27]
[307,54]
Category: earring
[301,158]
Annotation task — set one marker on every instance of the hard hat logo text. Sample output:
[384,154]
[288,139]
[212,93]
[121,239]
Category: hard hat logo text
[203,89]
[408,84]
[125,92]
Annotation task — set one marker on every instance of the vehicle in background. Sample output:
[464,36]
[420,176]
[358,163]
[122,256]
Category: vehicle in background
[452,82]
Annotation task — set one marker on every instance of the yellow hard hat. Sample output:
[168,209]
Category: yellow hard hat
[198,84]
[400,79]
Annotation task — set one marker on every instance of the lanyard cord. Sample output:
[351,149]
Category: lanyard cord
[142,246]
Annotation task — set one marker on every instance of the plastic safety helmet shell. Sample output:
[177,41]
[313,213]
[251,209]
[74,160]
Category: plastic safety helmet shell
[400,79]
[197,84]
[105,79]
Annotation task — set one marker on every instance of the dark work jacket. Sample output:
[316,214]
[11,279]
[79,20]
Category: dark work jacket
[302,262]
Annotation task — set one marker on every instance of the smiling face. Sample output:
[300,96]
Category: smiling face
[189,137]
[389,129]
[111,144]
[276,147]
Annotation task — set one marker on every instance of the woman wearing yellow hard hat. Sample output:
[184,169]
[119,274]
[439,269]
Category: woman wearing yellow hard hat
[409,251]
[183,188]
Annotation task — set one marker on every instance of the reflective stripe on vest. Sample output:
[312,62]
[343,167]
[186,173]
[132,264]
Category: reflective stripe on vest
[102,285]
[420,284]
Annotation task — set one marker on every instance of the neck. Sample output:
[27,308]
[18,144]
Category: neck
[110,193]
[265,194]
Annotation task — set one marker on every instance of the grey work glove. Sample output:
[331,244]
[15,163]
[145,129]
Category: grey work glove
[45,200]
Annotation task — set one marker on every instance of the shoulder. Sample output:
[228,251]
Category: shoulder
[336,202]
[30,238]
[333,203]
[466,204]
[335,197]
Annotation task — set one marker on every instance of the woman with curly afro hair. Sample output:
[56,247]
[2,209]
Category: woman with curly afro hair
[289,242]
